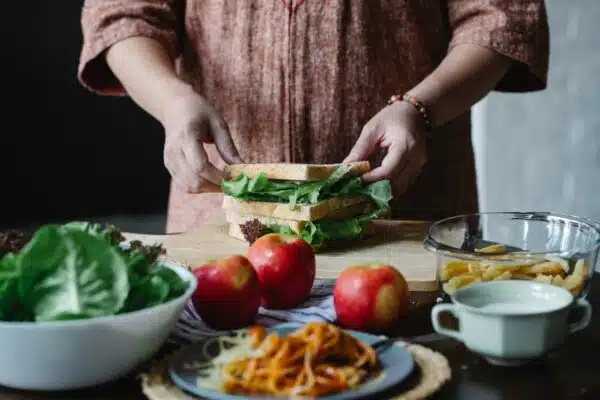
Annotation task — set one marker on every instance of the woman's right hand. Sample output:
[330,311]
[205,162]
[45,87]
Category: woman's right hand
[146,71]
[189,122]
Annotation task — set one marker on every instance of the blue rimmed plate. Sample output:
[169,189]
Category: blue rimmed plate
[397,365]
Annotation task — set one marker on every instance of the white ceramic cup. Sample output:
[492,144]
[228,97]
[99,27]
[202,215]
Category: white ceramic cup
[512,322]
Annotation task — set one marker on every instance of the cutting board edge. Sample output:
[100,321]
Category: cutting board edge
[423,286]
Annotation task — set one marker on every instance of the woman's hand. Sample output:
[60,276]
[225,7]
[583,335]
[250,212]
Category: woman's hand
[399,129]
[189,122]
[147,72]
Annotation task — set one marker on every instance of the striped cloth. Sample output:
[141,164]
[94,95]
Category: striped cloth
[318,307]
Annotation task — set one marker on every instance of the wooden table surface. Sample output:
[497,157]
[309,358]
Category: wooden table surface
[398,243]
[572,373]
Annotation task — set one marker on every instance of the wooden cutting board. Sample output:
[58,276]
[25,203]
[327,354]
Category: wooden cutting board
[399,243]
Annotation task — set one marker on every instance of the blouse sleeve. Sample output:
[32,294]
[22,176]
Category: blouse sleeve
[515,28]
[106,22]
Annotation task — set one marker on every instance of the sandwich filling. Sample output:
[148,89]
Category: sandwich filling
[341,183]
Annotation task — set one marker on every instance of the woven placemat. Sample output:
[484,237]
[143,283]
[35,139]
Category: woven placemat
[432,373]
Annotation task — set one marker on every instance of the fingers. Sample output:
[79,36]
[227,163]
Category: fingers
[187,162]
[186,176]
[197,162]
[364,147]
[405,172]
[392,163]
[176,164]
[224,143]
[409,174]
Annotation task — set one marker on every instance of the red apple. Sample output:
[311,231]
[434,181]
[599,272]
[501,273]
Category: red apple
[285,265]
[370,297]
[227,295]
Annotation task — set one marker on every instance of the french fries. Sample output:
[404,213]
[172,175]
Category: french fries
[454,268]
[545,268]
[456,274]
[460,281]
[494,249]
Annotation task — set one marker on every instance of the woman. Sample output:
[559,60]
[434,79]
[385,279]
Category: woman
[309,82]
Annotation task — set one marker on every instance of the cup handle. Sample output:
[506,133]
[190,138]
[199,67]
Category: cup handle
[585,319]
[435,321]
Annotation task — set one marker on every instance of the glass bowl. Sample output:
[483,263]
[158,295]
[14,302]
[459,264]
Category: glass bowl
[540,246]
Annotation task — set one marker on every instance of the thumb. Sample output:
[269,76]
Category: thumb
[224,143]
[364,147]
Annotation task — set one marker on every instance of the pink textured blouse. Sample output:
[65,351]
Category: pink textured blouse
[296,80]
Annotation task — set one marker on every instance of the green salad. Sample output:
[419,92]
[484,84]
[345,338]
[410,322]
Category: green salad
[81,270]
[341,183]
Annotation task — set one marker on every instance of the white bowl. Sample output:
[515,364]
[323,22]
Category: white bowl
[75,354]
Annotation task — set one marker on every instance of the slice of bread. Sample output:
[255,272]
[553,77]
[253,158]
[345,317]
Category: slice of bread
[235,231]
[235,218]
[334,208]
[293,172]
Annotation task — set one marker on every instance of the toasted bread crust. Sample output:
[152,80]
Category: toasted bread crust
[293,172]
[334,208]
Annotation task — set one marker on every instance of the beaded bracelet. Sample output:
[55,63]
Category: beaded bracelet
[417,104]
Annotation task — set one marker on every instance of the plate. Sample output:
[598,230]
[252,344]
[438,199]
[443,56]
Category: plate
[397,364]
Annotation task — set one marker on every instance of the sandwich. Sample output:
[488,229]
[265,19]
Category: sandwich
[322,204]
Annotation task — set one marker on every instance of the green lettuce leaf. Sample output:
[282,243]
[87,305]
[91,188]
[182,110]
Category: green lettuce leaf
[70,274]
[317,233]
[10,307]
[79,270]
[342,182]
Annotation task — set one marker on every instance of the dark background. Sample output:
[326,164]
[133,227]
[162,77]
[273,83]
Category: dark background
[68,153]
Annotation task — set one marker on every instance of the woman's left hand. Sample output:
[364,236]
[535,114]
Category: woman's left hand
[399,129]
